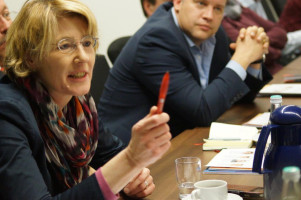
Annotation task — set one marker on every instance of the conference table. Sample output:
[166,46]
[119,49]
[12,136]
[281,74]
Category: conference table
[183,145]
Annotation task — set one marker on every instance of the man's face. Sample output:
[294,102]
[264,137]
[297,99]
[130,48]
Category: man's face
[199,19]
[5,22]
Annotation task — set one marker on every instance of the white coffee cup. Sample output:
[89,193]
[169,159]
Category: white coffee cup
[210,189]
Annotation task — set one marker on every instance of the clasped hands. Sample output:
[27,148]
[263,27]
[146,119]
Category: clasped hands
[251,45]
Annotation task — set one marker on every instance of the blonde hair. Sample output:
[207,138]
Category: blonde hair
[34,30]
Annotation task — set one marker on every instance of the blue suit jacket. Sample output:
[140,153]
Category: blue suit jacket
[24,170]
[159,46]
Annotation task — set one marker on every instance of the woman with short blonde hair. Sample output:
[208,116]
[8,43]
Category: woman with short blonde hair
[52,145]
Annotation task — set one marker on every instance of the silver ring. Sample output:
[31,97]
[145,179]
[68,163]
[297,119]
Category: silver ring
[146,184]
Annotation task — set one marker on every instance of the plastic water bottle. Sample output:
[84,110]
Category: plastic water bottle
[291,187]
[276,101]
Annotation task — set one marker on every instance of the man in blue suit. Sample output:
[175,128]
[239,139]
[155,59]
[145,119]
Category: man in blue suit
[184,38]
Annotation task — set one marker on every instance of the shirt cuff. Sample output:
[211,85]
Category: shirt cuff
[257,73]
[104,187]
[237,68]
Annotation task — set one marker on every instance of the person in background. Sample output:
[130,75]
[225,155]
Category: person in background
[288,18]
[148,8]
[184,38]
[5,21]
[51,146]
[256,6]
[237,17]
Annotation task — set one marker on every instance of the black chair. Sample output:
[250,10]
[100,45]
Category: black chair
[270,10]
[1,74]
[116,47]
[278,5]
[100,73]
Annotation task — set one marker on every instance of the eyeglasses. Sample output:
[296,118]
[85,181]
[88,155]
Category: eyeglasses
[5,14]
[68,45]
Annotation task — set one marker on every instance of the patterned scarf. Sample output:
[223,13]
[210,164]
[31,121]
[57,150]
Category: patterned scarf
[70,136]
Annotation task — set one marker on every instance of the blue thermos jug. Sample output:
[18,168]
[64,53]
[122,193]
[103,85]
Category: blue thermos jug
[284,149]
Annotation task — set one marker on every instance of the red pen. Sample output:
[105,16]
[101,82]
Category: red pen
[163,92]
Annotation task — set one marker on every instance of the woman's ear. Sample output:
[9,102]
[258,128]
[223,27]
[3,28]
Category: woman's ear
[30,62]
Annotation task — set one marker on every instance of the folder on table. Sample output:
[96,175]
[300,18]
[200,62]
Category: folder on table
[232,161]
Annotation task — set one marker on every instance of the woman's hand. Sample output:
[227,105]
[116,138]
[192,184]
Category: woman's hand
[141,186]
[150,139]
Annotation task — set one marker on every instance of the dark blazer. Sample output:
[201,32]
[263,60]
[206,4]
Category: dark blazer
[24,172]
[159,46]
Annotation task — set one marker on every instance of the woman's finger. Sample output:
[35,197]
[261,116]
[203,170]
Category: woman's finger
[138,183]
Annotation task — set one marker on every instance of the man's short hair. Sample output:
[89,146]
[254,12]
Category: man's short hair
[153,2]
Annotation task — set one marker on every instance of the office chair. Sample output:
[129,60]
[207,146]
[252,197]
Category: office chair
[116,47]
[278,5]
[1,74]
[270,10]
[100,73]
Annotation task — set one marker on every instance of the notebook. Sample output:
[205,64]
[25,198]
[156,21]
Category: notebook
[229,136]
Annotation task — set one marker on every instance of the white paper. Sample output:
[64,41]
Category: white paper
[259,120]
[233,158]
[282,89]
[224,131]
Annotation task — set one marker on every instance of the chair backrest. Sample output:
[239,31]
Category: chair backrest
[1,74]
[278,5]
[270,10]
[100,73]
[115,48]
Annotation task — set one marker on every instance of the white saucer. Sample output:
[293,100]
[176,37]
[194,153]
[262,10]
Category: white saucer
[231,196]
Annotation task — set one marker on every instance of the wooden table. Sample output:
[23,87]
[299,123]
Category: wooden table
[163,171]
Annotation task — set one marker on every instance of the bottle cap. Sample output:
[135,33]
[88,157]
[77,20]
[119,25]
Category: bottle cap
[276,99]
[291,173]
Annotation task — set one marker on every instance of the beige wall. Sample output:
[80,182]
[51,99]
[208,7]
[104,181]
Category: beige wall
[115,18]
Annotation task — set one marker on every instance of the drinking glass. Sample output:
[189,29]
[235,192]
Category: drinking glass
[188,171]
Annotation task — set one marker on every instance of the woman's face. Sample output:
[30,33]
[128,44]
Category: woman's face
[68,74]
